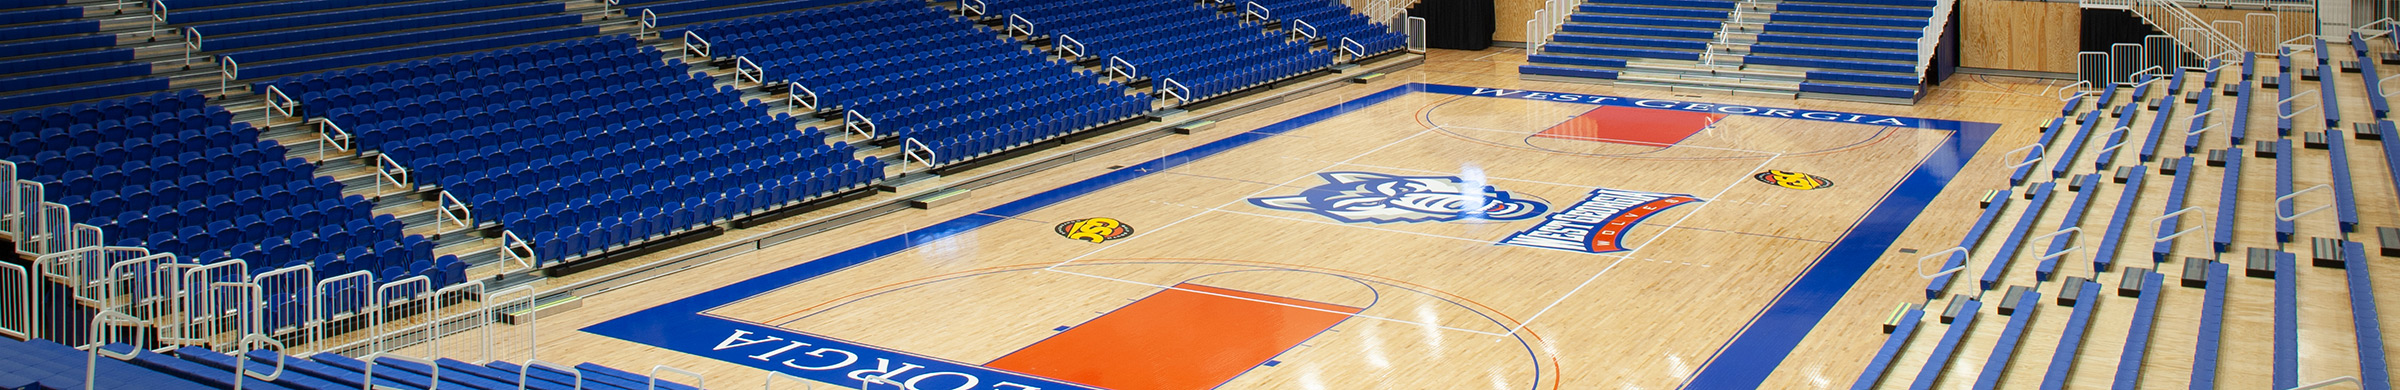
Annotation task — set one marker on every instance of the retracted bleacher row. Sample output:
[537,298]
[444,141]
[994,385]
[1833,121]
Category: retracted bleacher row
[2238,300]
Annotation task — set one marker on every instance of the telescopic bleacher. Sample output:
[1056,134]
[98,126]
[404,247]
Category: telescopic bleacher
[2243,261]
[1866,50]
[369,169]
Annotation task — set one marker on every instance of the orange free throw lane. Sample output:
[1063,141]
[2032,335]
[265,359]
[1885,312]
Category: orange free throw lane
[1186,338]
[1632,125]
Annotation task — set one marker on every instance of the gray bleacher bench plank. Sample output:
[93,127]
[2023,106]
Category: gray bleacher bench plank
[1947,349]
[2287,321]
[1567,72]
[1621,51]
[2113,236]
[1861,42]
[1671,12]
[2076,210]
[2176,199]
[2212,326]
[2137,339]
[2012,245]
[2005,349]
[1975,234]
[2373,366]
[1882,362]
[2071,338]
[2227,195]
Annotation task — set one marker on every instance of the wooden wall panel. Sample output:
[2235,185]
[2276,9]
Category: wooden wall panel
[1512,15]
[2261,38]
[2019,35]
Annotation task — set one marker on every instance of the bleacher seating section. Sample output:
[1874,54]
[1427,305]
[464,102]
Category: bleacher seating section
[973,93]
[173,174]
[1866,48]
[1211,54]
[599,144]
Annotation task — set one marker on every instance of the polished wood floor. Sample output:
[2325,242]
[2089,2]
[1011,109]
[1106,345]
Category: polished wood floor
[1440,299]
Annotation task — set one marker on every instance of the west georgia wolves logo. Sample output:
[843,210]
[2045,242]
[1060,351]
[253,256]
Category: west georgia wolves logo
[1379,198]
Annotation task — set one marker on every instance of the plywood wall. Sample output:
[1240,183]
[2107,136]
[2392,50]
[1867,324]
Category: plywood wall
[1512,15]
[2262,35]
[2019,35]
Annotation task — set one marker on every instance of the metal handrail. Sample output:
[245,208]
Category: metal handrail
[743,68]
[698,382]
[332,135]
[1181,93]
[2296,112]
[158,16]
[2285,202]
[795,94]
[852,121]
[649,21]
[523,372]
[280,103]
[509,243]
[91,362]
[911,146]
[1018,24]
[240,365]
[450,203]
[2146,72]
[1127,68]
[2171,237]
[1071,47]
[391,171]
[2079,92]
[191,44]
[2366,32]
[688,48]
[1533,36]
[1945,271]
[433,374]
[771,374]
[1357,53]
[1303,29]
[1252,9]
[2077,231]
[228,70]
[978,7]
[2384,84]
[2112,134]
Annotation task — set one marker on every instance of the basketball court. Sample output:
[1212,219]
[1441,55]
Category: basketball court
[1424,225]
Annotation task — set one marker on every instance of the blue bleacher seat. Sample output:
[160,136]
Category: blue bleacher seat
[2070,340]
[2137,337]
[2005,349]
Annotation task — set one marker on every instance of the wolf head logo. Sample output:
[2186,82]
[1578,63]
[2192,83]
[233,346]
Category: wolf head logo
[1379,198]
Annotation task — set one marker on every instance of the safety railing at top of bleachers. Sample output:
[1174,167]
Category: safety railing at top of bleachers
[1304,30]
[1414,27]
[454,211]
[744,70]
[279,103]
[400,298]
[800,96]
[202,318]
[857,123]
[1931,38]
[1018,26]
[916,151]
[17,302]
[1070,48]
[694,44]
[9,207]
[1182,94]
[332,135]
[977,7]
[1119,67]
[516,250]
[649,22]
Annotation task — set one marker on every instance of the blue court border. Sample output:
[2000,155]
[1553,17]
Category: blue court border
[682,326]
